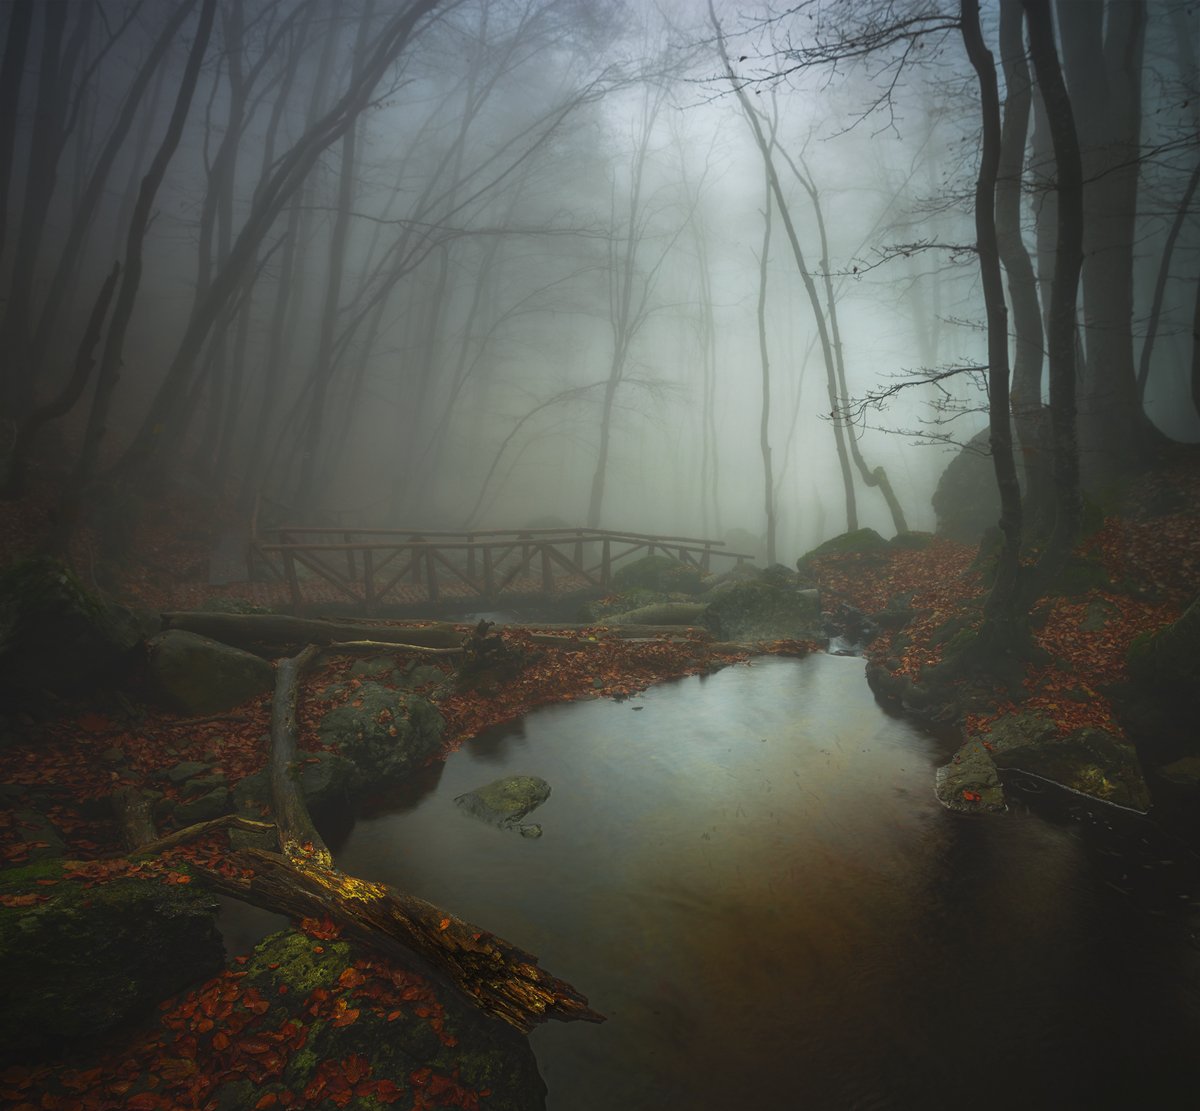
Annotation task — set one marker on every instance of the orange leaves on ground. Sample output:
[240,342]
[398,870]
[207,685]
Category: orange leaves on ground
[28,900]
[323,928]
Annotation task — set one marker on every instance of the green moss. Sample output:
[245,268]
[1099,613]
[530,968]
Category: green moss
[296,963]
[859,540]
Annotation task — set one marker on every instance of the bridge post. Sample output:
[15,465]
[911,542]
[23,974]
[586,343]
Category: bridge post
[704,558]
[431,577]
[606,563]
[471,554]
[489,583]
[351,566]
[547,573]
[416,558]
[293,581]
[369,582]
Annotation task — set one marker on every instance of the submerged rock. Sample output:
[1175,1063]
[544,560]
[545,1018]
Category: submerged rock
[504,802]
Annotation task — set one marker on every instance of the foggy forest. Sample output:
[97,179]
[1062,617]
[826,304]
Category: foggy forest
[394,391]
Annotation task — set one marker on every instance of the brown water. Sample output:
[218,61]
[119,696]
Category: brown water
[750,876]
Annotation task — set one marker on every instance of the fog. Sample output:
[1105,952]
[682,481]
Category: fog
[531,250]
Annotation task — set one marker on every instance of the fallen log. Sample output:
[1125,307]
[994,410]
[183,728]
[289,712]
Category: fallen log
[301,880]
[245,629]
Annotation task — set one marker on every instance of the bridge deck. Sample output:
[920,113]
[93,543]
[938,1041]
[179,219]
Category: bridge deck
[366,570]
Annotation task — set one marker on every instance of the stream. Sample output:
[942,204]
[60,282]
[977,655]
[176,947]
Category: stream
[749,875]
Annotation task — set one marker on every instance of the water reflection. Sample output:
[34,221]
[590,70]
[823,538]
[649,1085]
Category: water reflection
[751,878]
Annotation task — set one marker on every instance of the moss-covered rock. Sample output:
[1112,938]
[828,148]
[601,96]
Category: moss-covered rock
[970,782]
[57,635]
[375,1035]
[1092,761]
[758,610]
[327,782]
[386,733]
[89,959]
[197,675]
[859,541]
[504,802]
[1160,704]
[660,573]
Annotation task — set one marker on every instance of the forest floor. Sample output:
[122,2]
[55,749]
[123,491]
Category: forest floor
[1149,554]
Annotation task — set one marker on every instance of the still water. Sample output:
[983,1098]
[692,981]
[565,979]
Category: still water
[749,875]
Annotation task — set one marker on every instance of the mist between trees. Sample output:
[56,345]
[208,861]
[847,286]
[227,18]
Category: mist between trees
[685,268]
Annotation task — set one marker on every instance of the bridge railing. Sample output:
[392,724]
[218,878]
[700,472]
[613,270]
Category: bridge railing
[370,566]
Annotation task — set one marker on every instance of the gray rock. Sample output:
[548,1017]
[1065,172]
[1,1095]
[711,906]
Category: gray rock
[198,675]
[184,771]
[38,831]
[325,778]
[385,733]
[1092,761]
[970,783]
[204,808]
[758,610]
[504,802]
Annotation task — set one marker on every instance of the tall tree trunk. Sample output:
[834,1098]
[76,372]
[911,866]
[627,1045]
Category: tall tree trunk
[1029,414]
[1061,332]
[108,375]
[288,174]
[12,71]
[764,422]
[1003,619]
[67,264]
[1102,47]
[764,147]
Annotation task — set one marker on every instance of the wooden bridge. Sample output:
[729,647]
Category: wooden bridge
[370,568]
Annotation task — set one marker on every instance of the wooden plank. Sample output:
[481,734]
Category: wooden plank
[369,583]
[572,567]
[293,581]
[489,582]
[472,583]
[547,573]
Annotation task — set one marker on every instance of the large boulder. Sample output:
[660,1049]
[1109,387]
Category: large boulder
[659,573]
[386,733]
[966,502]
[1161,701]
[197,675]
[863,541]
[57,635]
[77,961]
[1091,761]
[970,782]
[764,610]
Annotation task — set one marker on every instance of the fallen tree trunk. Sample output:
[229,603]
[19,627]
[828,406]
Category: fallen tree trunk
[243,629]
[301,880]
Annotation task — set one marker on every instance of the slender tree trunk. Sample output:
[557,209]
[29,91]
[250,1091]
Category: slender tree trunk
[1002,616]
[1160,281]
[1061,332]
[1029,414]
[764,423]
[764,147]
[110,363]
[288,175]
[67,264]
[12,72]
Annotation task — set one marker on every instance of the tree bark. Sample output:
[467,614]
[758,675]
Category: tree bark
[1061,332]
[1002,617]
[764,422]
[12,70]
[109,372]
[1029,414]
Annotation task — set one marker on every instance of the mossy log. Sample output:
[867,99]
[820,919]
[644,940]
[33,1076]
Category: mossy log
[301,880]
